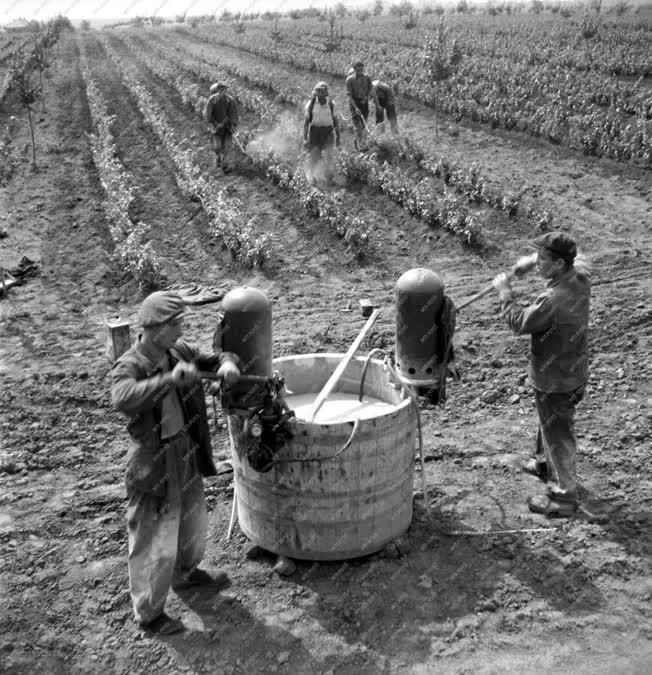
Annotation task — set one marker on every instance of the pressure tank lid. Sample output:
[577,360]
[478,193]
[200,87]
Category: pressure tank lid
[420,279]
[245,298]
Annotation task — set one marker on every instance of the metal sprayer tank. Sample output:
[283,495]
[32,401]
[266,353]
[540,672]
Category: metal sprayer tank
[419,299]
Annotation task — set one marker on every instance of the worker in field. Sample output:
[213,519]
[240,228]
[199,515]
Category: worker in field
[557,322]
[359,88]
[386,106]
[321,130]
[222,116]
[156,385]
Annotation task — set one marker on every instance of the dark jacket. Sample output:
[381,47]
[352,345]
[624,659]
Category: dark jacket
[359,88]
[137,389]
[222,108]
[558,322]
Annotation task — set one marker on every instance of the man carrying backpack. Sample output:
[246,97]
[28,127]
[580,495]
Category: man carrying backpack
[321,127]
[359,88]
[386,105]
[222,116]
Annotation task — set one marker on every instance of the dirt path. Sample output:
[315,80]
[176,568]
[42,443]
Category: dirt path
[572,599]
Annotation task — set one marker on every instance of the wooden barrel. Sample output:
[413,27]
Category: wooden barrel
[332,509]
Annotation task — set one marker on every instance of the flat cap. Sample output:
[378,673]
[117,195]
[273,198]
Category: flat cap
[321,85]
[557,243]
[159,307]
[359,62]
[218,85]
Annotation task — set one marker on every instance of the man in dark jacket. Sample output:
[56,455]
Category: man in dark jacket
[222,116]
[557,322]
[386,105]
[156,384]
[358,89]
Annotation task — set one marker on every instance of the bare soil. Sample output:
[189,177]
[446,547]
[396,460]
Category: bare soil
[572,598]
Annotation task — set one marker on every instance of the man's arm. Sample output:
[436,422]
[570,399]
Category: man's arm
[306,120]
[372,92]
[349,88]
[206,361]
[208,112]
[132,396]
[389,96]
[232,113]
[537,318]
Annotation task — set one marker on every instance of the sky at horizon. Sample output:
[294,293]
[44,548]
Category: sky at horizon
[42,10]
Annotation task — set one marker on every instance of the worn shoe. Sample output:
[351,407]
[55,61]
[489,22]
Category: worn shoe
[163,625]
[538,469]
[551,508]
[199,577]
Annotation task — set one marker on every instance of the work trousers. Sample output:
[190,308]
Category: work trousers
[359,106]
[222,145]
[320,139]
[390,110]
[556,438]
[167,535]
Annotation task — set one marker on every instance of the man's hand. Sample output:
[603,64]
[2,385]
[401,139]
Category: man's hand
[501,284]
[524,264]
[185,374]
[229,373]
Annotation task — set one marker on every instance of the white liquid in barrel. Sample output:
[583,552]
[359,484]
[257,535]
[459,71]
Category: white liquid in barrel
[338,407]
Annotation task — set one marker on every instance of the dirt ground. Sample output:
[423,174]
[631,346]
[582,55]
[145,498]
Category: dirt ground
[574,597]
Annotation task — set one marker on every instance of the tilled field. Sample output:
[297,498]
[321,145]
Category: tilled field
[574,596]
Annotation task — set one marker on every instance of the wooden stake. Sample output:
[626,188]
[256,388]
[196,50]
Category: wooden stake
[119,339]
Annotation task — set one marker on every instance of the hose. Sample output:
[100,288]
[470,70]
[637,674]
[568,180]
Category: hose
[354,431]
[366,365]
[415,402]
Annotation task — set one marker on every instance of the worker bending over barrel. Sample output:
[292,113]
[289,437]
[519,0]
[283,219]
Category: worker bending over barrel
[557,322]
[156,384]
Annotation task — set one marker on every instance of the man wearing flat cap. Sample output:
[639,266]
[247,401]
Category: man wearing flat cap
[222,116]
[557,322]
[156,384]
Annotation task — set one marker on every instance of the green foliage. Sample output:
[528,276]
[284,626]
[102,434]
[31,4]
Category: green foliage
[439,59]
[536,6]
[589,27]
[411,20]
[9,154]
[621,7]
[402,8]
[596,6]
